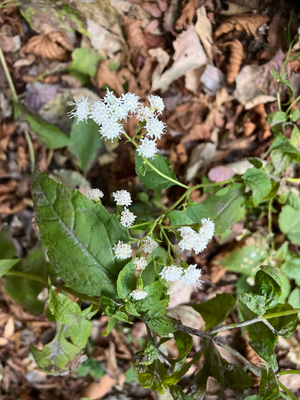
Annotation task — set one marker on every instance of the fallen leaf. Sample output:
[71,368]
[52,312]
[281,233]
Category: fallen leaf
[107,77]
[248,23]
[187,14]
[204,30]
[53,45]
[201,155]
[220,173]
[189,55]
[135,39]
[235,59]
[97,390]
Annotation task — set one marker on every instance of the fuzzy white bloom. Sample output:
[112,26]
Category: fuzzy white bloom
[122,198]
[131,101]
[119,110]
[147,148]
[156,102]
[122,250]
[139,294]
[191,276]
[143,114]
[149,245]
[127,218]
[140,263]
[155,128]
[110,98]
[100,112]
[171,273]
[111,129]
[95,194]
[200,243]
[208,228]
[81,110]
[188,238]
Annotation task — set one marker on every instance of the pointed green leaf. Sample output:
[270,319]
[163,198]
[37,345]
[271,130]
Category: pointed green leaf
[126,282]
[79,236]
[258,182]
[6,265]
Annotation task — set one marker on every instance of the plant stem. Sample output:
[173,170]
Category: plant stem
[30,148]
[286,390]
[281,313]
[289,372]
[293,180]
[8,77]
[240,325]
[141,224]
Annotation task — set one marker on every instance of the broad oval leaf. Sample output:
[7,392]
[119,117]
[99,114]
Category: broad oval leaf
[78,236]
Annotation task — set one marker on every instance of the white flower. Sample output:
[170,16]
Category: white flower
[118,109]
[188,238]
[122,198]
[171,273]
[111,129]
[81,110]
[122,250]
[200,243]
[100,113]
[155,128]
[147,148]
[149,245]
[143,114]
[139,294]
[140,263]
[95,194]
[156,102]
[208,228]
[131,101]
[127,218]
[110,98]
[191,276]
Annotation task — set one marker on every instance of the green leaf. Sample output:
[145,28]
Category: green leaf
[294,298]
[24,290]
[283,153]
[126,282]
[289,223]
[178,394]
[215,310]
[245,259]
[179,218]
[49,134]
[155,292]
[262,339]
[255,397]
[184,343]
[197,211]
[86,143]
[112,309]
[226,210]
[7,248]
[56,356]
[285,326]
[91,367]
[268,284]
[258,182]
[162,325]
[295,115]
[292,268]
[159,309]
[149,177]
[277,118]
[84,61]
[78,236]
[6,265]
[268,388]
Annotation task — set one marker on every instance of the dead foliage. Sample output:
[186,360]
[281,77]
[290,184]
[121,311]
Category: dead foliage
[135,40]
[53,45]
[247,23]
[294,62]
[187,14]
[236,56]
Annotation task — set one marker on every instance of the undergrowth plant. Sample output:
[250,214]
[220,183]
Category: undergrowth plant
[127,266]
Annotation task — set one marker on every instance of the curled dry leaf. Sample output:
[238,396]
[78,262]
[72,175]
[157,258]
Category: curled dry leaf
[53,45]
[235,60]
[248,23]
[204,30]
[262,116]
[187,14]
[135,39]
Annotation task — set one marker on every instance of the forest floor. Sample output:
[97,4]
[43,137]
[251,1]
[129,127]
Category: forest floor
[211,62]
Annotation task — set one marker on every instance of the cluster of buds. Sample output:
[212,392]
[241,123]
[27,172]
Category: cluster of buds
[109,113]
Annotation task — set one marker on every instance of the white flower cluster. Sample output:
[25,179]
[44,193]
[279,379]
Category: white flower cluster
[174,274]
[192,240]
[122,250]
[95,195]
[123,198]
[148,245]
[127,218]
[140,263]
[111,110]
[138,294]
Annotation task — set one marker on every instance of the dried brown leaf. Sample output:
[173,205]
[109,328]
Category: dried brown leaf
[135,39]
[107,77]
[248,23]
[187,14]
[262,123]
[52,45]
[235,60]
